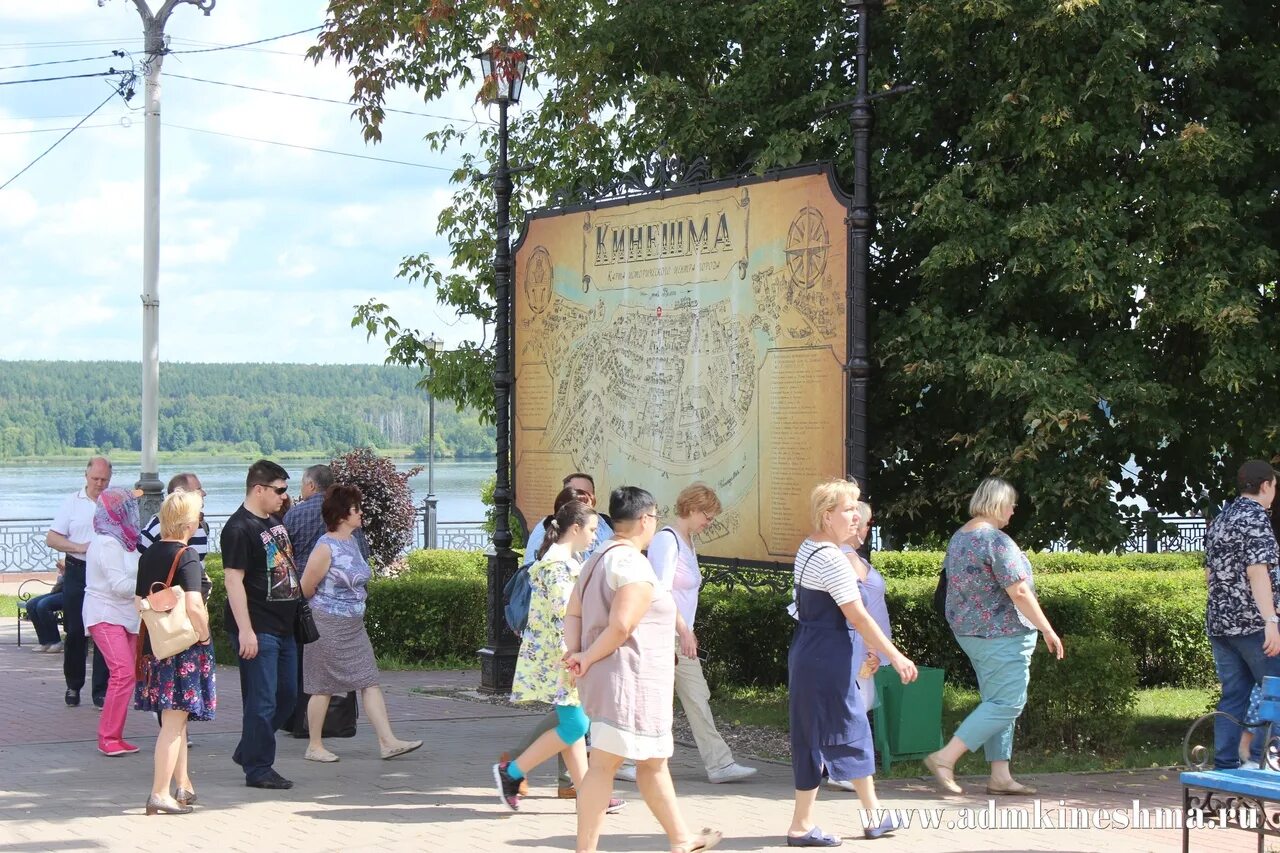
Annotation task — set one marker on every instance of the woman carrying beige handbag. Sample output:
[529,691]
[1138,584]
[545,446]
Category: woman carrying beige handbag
[180,685]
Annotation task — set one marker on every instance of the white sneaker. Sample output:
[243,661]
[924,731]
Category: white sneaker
[627,773]
[842,785]
[1249,765]
[730,773]
[54,648]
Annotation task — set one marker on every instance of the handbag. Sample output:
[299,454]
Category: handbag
[165,619]
[940,595]
[304,624]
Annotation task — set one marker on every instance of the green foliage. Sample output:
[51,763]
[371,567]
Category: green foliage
[425,617]
[903,564]
[1078,245]
[451,564]
[388,516]
[414,617]
[518,536]
[1157,615]
[49,408]
[1084,701]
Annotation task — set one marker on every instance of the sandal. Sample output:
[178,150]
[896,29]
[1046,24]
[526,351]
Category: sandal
[322,755]
[704,840]
[814,838]
[944,775]
[1016,789]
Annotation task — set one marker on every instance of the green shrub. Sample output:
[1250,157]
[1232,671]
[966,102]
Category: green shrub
[1084,701]
[418,617]
[453,564]
[906,564]
[1157,615]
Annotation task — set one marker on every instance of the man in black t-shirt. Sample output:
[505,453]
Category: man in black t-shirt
[262,606]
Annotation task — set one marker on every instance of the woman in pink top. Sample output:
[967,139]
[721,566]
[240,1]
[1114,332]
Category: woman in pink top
[620,630]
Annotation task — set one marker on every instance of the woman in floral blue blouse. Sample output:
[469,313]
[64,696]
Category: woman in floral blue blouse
[993,612]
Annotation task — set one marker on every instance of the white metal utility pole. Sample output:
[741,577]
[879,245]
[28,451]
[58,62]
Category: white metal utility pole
[153,24]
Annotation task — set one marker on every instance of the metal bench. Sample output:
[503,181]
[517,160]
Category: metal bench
[25,596]
[1238,798]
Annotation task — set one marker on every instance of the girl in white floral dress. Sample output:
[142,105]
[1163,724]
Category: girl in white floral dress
[540,672]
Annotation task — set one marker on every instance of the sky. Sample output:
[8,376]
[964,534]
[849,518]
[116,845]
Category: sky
[264,249]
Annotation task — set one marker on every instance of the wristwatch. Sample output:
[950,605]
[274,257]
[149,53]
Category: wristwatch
[1274,620]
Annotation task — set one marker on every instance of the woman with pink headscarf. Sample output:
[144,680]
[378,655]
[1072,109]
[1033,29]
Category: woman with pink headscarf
[111,573]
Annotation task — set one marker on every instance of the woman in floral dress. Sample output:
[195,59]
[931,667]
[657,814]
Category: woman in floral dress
[540,673]
[179,687]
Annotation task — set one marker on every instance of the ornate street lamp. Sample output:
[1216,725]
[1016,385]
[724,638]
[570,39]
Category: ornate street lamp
[862,223]
[504,69]
[434,344]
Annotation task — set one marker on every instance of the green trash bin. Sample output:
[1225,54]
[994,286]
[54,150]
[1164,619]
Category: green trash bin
[907,719]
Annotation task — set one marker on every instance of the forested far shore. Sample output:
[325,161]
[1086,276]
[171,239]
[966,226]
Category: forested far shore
[52,408]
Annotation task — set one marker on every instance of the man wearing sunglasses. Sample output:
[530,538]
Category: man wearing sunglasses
[262,607]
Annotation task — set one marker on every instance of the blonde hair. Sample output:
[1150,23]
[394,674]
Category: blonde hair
[829,495]
[992,498]
[698,497]
[178,510]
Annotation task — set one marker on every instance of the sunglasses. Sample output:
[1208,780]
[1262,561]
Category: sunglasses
[279,490]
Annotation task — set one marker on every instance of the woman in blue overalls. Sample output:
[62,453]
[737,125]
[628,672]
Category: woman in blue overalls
[828,718]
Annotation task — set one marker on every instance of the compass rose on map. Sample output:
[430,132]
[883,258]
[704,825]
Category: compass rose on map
[807,247]
[537,280]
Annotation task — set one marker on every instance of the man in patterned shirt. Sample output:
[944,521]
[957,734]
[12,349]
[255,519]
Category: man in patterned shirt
[1240,556]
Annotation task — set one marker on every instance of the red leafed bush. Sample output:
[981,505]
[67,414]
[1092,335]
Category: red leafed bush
[388,502]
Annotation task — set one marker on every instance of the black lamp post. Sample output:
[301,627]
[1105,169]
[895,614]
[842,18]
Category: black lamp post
[434,344]
[503,69]
[862,223]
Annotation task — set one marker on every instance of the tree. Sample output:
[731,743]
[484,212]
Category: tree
[388,512]
[1075,277]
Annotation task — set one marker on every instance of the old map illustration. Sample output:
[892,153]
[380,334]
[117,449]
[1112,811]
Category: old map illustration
[699,337]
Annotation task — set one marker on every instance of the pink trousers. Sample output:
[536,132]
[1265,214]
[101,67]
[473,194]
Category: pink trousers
[118,648]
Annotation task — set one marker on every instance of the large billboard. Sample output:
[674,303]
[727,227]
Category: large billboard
[691,335]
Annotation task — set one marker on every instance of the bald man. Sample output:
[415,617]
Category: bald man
[71,533]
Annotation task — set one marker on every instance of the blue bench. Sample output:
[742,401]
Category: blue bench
[1235,798]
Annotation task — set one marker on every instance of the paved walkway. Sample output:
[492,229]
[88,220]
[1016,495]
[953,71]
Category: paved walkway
[59,794]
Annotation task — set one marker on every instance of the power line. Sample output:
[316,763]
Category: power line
[309,148]
[105,101]
[198,43]
[115,54]
[315,98]
[250,43]
[66,77]
[55,129]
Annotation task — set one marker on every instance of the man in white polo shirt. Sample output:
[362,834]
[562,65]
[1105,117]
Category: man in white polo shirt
[71,533]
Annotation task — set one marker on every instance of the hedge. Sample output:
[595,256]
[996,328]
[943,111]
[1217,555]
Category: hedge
[414,617]
[436,610]
[906,564]
[1157,615]
[1085,700]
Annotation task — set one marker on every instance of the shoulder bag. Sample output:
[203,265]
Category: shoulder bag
[165,619]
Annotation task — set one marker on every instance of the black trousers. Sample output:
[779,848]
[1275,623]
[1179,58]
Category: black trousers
[76,647]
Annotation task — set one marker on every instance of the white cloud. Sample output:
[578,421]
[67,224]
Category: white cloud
[264,250]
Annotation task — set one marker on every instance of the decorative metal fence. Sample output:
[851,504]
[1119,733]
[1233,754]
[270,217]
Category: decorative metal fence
[22,547]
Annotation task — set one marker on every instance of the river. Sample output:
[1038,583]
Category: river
[36,490]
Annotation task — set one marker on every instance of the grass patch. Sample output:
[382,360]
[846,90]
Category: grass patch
[1162,717]
[9,605]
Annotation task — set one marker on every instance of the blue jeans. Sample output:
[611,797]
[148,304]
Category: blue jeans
[1240,664]
[1003,667]
[269,690]
[43,611]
